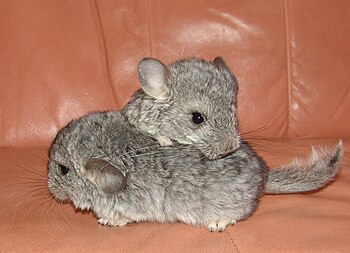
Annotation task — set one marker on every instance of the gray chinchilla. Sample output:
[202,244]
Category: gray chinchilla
[191,101]
[102,163]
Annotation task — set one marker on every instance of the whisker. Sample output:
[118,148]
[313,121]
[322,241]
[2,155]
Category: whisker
[33,172]
[268,144]
[69,219]
[14,213]
[53,221]
[45,205]
[139,149]
[49,211]
[163,155]
[28,184]
[159,150]
[37,198]
[36,179]
[35,190]
[266,127]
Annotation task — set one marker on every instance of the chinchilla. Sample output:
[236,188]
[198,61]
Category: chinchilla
[102,163]
[191,101]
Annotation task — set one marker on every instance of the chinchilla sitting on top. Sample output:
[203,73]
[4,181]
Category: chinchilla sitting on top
[191,101]
[102,163]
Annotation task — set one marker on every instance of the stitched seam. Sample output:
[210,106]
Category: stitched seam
[103,48]
[149,23]
[289,79]
[232,241]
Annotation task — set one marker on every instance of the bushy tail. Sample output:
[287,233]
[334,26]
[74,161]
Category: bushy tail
[318,171]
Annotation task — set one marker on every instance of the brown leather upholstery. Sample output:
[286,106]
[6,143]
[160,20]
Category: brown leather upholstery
[61,59]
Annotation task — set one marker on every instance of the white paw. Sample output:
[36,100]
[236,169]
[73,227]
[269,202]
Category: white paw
[103,221]
[233,222]
[219,226]
[164,141]
[117,221]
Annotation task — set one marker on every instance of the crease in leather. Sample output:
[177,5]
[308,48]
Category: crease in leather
[104,51]
[288,63]
[228,235]
[340,102]
[149,25]
[146,239]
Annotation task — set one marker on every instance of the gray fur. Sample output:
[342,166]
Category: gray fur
[300,176]
[210,87]
[163,183]
[170,94]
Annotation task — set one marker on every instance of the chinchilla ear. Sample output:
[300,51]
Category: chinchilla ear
[105,176]
[220,63]
[154,78]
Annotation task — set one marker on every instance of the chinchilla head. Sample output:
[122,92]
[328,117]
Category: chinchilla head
[191,101]
[74,174]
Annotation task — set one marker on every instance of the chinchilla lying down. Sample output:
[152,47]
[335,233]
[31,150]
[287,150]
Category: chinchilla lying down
[102,163]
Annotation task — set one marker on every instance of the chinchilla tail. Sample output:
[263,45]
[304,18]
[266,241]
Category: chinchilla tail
[315,173]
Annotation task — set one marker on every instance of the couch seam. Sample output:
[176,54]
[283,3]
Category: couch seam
[103,48]
[149,24]
[289,81]
[232,241]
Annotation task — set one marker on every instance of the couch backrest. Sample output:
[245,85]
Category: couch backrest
[62,59]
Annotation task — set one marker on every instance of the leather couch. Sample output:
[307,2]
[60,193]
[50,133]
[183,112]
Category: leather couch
[60,59]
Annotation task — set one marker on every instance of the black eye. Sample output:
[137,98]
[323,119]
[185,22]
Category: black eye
[64,169]
[197,118]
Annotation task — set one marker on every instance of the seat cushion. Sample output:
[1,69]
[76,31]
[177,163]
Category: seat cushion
[32,221]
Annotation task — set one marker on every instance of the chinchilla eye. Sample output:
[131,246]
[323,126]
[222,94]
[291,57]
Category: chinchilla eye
[64,169]
[197,118]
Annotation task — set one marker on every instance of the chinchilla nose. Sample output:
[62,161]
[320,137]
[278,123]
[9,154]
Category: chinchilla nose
[224,148]
[228,149]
